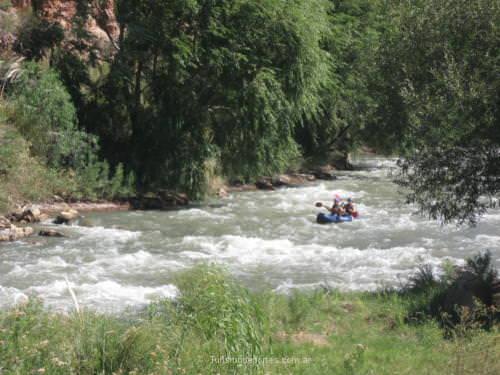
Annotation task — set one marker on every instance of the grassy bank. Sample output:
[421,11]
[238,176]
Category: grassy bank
[215,323]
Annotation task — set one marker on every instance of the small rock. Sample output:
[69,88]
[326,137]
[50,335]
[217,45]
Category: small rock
[14,233]
[4,223]
[67,217]
[50,233]
[29,214]
[162,200]
[325,173]
[222,193]
[281,180]
[264,184]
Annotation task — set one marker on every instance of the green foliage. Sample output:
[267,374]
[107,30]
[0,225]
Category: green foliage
[441,102]
[5,4]
[241,89]
[446,298]
[23,177]
[41,109]
[38,37]
[45,116]
[195,81]
[336,333]
[347,100]
[37,341]
[213,304]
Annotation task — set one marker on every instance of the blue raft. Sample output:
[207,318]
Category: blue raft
[330,218]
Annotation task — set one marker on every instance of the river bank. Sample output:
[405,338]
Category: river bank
[217,326]
[162,200]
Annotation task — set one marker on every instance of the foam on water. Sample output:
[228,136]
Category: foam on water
[108,295]
[266,239]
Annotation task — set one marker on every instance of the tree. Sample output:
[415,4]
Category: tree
[446,59]
[195,81]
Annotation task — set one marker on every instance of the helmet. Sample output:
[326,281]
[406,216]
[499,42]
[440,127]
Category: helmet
[349,199]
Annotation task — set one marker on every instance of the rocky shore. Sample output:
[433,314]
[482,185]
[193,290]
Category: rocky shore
[16,225]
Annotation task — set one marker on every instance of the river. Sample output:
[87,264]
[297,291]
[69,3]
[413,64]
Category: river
[266,239]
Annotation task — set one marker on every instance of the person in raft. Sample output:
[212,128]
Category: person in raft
[337,208]
[349,207]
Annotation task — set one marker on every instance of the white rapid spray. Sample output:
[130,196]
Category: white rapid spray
[266,239]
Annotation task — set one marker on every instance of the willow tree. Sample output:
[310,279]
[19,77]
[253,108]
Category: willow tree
[220,82]
[347,98]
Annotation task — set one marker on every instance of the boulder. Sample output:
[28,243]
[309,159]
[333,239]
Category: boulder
[32,215]
[281,180]
[171,198]
[67,217]
[325,173]
[162,200]
[4,223]
[343,162]
[50,233]
[264,184]
[14,233]
[24,215]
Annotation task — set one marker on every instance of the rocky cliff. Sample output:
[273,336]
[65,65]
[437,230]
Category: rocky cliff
[99,16]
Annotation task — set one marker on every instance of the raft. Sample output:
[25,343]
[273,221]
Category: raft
[331,218]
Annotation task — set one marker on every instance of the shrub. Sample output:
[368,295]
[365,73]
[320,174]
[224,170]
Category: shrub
[41,109]
[45,116]
[38,36]
[445,299]
[23,177]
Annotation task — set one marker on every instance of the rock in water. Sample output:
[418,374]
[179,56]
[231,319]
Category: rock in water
[50,233]
[14,233]
[4,223]
[264,184]
[32,214]
[161,200]
[67,217]
[281,180]
[28,214]
[326,172]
